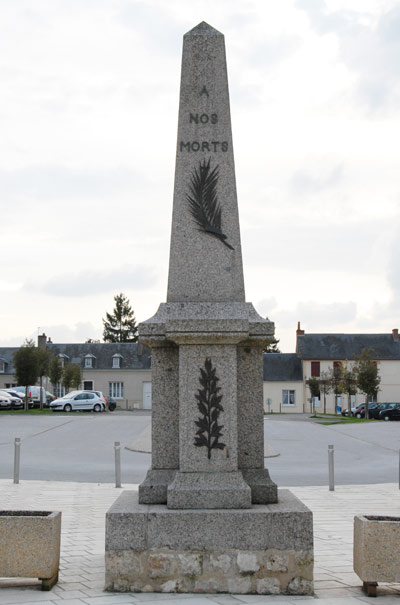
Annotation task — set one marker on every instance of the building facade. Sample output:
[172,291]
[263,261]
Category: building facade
[120,370]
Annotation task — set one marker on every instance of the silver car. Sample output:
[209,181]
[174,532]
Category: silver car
[78,400]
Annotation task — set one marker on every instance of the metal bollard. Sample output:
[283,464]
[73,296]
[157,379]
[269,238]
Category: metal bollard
[331,469]
[17,451]
[117,450]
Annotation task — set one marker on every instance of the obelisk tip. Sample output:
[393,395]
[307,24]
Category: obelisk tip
[203,29]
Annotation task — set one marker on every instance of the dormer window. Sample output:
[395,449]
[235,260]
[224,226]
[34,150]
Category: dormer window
[63,359]
[89,361]
[3,364]
[116,361]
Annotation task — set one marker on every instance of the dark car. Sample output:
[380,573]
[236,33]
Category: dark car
[390,413]
[359,412]
[379,408]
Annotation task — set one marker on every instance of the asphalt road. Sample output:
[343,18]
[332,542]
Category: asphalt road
[79,447]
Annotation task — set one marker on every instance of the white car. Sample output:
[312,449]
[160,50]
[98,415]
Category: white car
[5,401]
[14,402]
[78,400]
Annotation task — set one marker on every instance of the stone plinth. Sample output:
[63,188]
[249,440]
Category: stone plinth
[182,336]
[267,549]
[30,545]
[377,548]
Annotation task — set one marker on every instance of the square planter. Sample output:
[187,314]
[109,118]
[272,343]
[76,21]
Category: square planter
[376,550]
[30,545]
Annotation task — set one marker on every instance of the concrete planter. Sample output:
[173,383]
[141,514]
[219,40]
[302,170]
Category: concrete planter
[376,550]
[30,545]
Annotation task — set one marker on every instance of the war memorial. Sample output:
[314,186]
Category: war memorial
[207,517]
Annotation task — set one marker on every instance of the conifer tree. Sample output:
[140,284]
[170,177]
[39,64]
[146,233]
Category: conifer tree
[120,326]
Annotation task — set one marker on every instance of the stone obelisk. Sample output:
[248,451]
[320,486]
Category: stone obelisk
[207,517]
[214,450]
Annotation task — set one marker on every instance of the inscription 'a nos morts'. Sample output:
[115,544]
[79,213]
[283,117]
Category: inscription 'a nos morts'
[204,146]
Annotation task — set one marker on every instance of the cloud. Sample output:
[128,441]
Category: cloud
[314,181]
[80,332]
[54,182]
[319,316]
[266,306]
[154,23]
[393,270]
[369,45]
[90,283]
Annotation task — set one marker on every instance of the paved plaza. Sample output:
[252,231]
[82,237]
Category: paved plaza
[83,507]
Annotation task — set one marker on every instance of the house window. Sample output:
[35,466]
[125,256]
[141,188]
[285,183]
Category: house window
[116,390]
[88,385]
[288,397]
[88,362]
[315,369]
[116,362]
[62,360]
[2,367]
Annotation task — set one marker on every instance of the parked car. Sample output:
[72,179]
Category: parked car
[17,400]
[112,404]
[379,408]
[390,413]
[13,402]
[101,396]
[5,401]
[78,400]
[34,396]
[359,411]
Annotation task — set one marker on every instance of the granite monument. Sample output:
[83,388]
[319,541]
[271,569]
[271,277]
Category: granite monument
[207,517]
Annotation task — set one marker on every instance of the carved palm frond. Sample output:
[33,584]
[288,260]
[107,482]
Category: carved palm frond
[209,405]
[203,200]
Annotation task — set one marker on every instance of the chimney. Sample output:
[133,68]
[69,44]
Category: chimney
[395,333]
[42,339]
[299,332]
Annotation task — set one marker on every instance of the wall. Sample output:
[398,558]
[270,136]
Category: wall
[273,390]
[133,384]
[389,371]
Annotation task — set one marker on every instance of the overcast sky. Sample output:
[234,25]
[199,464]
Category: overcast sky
[88,120]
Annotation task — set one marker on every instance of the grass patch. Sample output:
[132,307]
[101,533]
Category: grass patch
[334,419]
[32,411]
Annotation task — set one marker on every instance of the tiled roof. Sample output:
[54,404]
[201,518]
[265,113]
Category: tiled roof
[346,346]
[134,356]
[284,367]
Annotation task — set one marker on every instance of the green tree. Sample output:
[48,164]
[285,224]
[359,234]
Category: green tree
[325,385]
[120,326]
[336,374]
[43,358]
[70,376]
[55,373]
[367,375]
[313,385]
[349,384]
[76,376]
[26,366]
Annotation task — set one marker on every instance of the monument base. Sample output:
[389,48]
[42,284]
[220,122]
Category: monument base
[266,549]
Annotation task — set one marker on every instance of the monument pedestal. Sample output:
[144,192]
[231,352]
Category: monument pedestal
[207,518]
[266,549]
